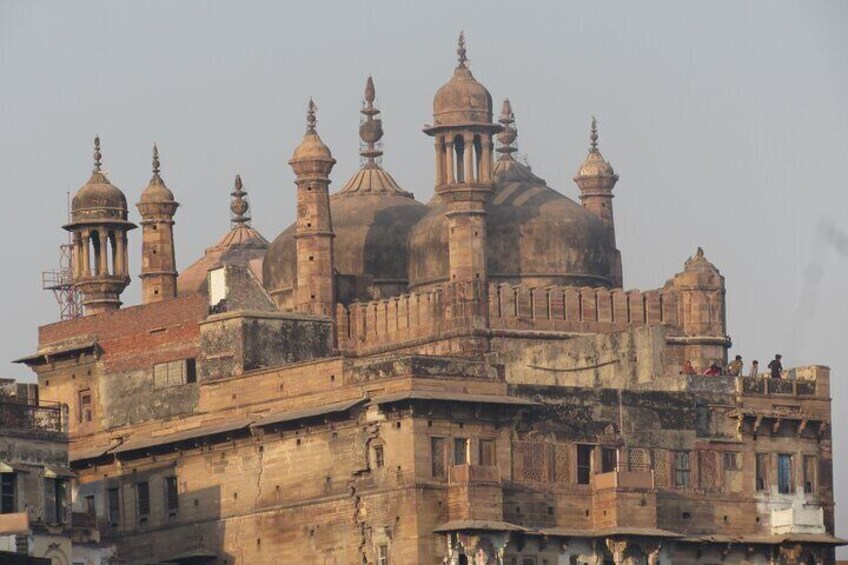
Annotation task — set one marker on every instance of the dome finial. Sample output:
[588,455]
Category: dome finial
[507,136]
[155,159]
[97,155]
[460,50]
[310,116]
[593,137]
[371,128]
[239,205]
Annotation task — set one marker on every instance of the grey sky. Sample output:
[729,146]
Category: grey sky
[727,122]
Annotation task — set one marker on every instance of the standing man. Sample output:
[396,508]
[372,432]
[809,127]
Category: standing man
[776,366]
[734,368]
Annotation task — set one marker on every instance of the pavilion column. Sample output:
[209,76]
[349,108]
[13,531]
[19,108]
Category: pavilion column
[468,158]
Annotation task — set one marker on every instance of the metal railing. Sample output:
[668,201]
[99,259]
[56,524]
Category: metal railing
[47,418]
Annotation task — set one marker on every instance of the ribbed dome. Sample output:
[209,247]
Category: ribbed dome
[535,235]
[241,246]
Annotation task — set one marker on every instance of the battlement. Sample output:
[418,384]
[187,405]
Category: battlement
[578,309]
[466,307]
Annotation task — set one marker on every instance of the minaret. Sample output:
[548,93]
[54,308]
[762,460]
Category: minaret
[99,229]
[312,163]
[596,179]
[463,130]
[158,262]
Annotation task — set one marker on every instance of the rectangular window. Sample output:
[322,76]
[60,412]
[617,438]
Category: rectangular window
[8,492]
[528,561]
[785,482]
[584,464]
[55,501]
[174,373]
[191,371]
[486,452]
[731,461]
[85,414]
[460,451]
[113,499]
[609,459]
[810,464]
[379,459]
[681,469]
[761,471]
[437,457]
[142,491]
[383,555]
[89,509]
[172,498]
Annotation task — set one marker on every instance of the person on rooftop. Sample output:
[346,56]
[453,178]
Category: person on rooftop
[776,367]
[713,371]
[734,368]
[755,369]
[688,369]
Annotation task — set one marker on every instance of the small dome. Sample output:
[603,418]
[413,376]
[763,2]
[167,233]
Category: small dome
[98,198]
[595,166]
[311,148]
[241,246]
[462,100]
[156,191]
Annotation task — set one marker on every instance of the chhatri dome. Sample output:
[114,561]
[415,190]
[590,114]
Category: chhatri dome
[371,218]
[535,235]
[98,199]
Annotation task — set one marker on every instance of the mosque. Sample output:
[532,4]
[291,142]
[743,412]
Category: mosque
[389,381]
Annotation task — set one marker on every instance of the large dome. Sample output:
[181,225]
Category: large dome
[534,235]
[372,218]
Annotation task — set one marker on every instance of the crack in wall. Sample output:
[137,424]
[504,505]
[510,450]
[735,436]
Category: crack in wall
[359,522]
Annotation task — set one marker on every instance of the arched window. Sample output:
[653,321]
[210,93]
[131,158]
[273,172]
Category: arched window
[478,156]
[459,160]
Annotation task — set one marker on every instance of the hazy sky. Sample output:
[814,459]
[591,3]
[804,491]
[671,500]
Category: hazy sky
[727,122]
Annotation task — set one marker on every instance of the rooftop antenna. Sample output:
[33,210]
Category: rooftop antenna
[61,281]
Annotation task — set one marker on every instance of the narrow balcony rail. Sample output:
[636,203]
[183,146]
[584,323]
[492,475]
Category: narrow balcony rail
[48,418]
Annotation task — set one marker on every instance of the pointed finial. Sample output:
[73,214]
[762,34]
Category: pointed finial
[593,137]
[97,155]
[155,159]
[310,116]
[370,93]
[508,134]
[699,252]
[371,128]
[460,50]
[239,205]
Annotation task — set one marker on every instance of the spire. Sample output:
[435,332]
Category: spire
[460,50]
[155,160]
[239,205]
[310,116]
[508,135]
[593,137]
[371,128]
[97,155]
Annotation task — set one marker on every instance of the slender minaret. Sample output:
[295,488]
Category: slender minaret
[312,163]
[99,229]
[596,179]
[463,130]
[158,261]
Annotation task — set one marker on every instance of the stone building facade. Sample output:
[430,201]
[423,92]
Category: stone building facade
[388,381]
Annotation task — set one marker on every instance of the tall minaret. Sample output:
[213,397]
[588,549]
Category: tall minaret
[158,262]
[463,130]
[312,163]
[99,229]
[596,179]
